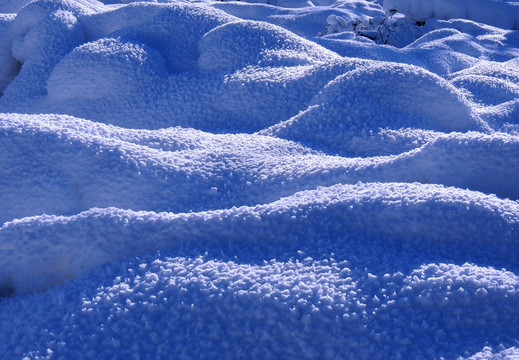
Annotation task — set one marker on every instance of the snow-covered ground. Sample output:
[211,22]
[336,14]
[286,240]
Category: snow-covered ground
[271,179]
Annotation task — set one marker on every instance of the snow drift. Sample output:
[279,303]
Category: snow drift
[262,179]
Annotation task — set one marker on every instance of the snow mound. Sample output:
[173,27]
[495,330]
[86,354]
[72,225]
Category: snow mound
[493,71]
[84,74]
[493,86]
[351,113]
[175,31]
[141,45]
[236,45]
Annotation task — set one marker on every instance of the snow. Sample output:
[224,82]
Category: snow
[500,13]
[327,179]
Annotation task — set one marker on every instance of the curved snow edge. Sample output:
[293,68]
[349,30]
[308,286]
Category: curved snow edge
[425,219]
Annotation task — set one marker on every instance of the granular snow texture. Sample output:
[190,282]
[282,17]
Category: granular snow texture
[324,179]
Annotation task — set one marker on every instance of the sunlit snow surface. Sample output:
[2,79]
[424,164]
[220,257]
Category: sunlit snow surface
[262,179]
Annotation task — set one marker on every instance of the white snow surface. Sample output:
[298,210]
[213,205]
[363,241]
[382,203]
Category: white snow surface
[271,179]
[500,13]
